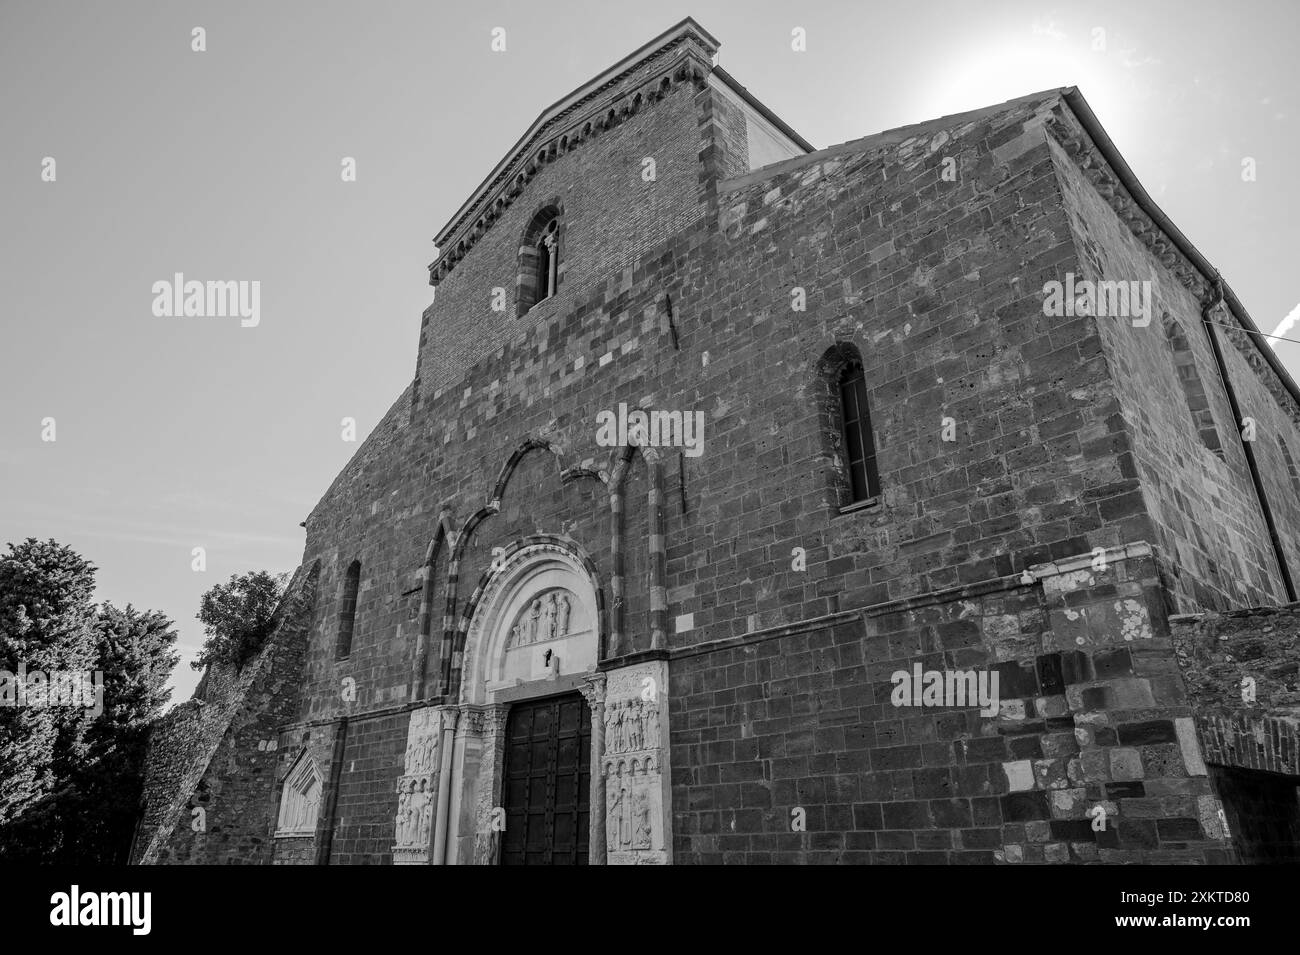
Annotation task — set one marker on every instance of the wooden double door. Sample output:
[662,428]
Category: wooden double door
[546,787]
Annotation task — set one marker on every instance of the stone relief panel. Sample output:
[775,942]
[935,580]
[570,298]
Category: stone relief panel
[546,618]
[414,812]
[634,762]
[422,742]
[417,789]
[300,799]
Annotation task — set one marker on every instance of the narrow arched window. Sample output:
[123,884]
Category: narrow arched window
[1290,468]
[847,456]
[1194,393]
[348,611]
[548,261]
[859,445]
[540,258]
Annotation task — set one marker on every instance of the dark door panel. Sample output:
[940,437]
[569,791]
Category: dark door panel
[547,782]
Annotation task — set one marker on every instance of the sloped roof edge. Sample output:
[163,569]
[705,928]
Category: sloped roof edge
[687,27]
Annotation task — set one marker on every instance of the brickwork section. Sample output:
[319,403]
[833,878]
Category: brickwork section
[367,795]
[804,721]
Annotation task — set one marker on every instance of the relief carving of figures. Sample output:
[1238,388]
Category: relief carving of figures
[548,617]
[618,821]
[652,727]
[534,617]
[614,728]
[419,755]
[641,838]
[562,615]
[404,813]
[631,726]
[426,815]
[635,719]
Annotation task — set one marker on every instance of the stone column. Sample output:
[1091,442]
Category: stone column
[447,725]
[593,690]
[485,729]
[658,551]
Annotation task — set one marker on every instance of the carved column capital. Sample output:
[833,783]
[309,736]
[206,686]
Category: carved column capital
[449,715]
[593,690]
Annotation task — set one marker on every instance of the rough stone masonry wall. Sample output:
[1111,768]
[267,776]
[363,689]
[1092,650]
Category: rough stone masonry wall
[1203,507]
[1216,653]
[219,755]
[1243,676]
[787,747]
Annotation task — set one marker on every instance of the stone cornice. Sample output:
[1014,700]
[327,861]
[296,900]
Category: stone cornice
[682,54]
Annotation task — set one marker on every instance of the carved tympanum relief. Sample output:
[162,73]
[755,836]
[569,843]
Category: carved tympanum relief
[546,618]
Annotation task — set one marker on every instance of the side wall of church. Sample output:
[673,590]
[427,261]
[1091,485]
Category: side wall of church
[1202,505]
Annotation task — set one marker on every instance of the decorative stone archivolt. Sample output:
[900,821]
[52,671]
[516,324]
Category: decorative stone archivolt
[300,799]
[541,593]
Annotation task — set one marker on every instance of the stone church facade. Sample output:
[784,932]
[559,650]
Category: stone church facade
[519,636]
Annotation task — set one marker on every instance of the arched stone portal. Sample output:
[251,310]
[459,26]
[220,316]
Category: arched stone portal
[535,631]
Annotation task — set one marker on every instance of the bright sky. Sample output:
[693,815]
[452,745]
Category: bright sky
[177,433]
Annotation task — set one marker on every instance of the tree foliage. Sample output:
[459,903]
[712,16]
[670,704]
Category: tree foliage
[237,617]
[46,623]
[70,777]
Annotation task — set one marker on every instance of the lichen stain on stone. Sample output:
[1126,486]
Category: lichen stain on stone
[1134,623]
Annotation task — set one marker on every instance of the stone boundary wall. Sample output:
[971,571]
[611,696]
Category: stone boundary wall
[238,714]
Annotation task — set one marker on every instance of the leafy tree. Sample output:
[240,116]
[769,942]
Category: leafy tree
[70,777]
[236,617]
[46,623]
[136,650]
